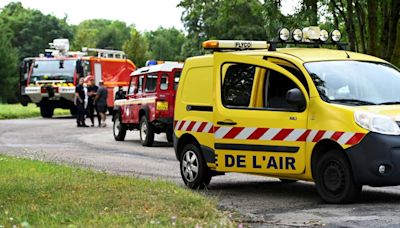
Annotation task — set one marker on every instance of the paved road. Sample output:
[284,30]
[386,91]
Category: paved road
[260,201]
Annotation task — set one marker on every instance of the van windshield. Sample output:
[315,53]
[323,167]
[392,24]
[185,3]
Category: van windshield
[53,70]
[356,82]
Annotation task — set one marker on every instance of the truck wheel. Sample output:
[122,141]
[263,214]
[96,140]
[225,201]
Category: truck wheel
[334,179]
[194,171]
[146,132]
[119,129]
[73,111]
[169,136]
[46,112]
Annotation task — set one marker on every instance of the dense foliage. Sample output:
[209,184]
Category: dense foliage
[369,26]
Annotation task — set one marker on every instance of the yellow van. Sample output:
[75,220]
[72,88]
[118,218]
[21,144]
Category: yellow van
[313,114]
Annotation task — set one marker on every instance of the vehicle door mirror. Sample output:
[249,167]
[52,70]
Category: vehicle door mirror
[296,98]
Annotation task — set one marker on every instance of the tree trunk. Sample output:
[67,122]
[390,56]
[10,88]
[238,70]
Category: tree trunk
[395,59]
[385,28]
[393,24]
[361,23]
[350,25]
[372,27]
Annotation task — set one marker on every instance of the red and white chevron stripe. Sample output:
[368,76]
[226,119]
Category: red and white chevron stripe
[194,126]
[269,134]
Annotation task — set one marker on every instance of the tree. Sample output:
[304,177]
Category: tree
[165,44]
[101,33]
[8,69]
[223,19]
[31,30]
[136,48]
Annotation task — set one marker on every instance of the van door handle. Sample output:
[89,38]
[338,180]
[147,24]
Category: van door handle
[227,123]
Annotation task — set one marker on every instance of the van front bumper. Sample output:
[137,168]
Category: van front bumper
[376,160]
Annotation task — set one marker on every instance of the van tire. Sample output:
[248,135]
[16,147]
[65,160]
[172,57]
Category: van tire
[73,111]
[190,161]
[146,132]
[334,179]
[119,129]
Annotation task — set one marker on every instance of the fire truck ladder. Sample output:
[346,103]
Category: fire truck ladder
[104,53]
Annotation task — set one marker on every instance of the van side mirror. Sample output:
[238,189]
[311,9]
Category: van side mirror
[296,98]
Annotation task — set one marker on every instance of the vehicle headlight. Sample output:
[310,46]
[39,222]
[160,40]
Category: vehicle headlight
[377,123]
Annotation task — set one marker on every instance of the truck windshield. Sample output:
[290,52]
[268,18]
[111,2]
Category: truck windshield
[53,70]
[356,82]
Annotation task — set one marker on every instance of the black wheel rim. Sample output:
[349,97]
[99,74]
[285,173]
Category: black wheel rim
[334,177]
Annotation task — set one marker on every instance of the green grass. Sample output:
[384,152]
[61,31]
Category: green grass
[17,111]
[38,194]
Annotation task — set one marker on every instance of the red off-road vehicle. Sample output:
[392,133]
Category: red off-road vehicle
[149,103]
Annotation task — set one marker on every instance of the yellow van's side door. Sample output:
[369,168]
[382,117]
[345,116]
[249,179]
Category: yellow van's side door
[255,129]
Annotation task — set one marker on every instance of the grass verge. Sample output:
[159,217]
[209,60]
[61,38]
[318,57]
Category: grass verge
[17,111]
[38,194]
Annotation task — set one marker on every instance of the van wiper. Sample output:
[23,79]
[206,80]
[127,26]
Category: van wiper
[389,103]
[353,101]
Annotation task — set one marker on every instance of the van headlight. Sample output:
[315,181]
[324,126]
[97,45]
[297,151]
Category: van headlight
[377,123]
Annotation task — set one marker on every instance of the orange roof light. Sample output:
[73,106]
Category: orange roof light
[235,44]
[210,44]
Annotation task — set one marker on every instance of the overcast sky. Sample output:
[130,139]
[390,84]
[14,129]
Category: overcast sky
[146,15]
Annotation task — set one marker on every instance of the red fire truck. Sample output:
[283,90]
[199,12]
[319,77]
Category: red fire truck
[149,104]
[49,80]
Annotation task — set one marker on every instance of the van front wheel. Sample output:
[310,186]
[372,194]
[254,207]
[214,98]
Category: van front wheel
[194,171]
[146,132]
[334,179]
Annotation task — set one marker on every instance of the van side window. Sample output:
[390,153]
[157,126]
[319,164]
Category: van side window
[132,86]
[164,82]
[140,84]
[177,76]
[151,83]
[237,85]
[276,86]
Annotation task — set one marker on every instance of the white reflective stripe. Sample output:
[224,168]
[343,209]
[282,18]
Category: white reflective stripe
[245,133]
[177,124]
[345,138]
[196,126]
[328,135]
[185,125]
[208,127]
[295,134]
[271,133]
[221,132]
[311,136]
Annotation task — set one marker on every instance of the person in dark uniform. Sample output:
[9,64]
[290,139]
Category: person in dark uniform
[101,103]
[120,94]
[80,104]
[91,90]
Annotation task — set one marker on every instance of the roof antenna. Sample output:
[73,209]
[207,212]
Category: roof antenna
[342,46]
[348,56]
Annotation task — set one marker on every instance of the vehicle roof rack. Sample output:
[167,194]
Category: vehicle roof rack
[340,45]
[106,53]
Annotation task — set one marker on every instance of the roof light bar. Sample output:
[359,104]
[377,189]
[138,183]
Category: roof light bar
[284,34]
[235,44]
[323,35]
[297,35]
[336,35]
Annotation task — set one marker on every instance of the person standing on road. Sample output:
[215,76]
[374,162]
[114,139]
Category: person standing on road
[92,90]
[80,103]
[120,94]
[101,103]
